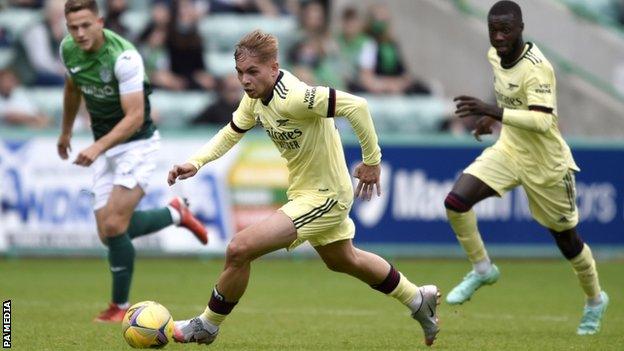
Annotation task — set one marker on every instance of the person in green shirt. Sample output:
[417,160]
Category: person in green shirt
[107,72]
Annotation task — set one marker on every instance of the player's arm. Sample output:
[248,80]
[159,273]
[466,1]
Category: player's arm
[322,102]
[71,103]
[130,74]
[218,145]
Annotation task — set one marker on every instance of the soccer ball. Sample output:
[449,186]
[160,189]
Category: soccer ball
[147,324]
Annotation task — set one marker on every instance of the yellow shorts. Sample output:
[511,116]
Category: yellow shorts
[554,206]
[319,220]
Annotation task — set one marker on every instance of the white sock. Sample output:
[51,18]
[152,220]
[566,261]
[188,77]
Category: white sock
[124,305]
[416,302]
[594,301]
[175,215]
[209,326]
[483,266]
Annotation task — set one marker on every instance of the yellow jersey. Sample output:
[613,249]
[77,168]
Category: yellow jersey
[295,117]
[530,81]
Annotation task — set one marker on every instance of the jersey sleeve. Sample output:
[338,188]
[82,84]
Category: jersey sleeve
[243,118]
[540,85]
[130,72]
[310,102]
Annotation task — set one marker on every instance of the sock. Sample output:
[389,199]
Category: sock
[217,308]
[585,268]
[123,306]
[483,266]
[121,261]
[147,222]
[175,215]
[465,227]
[399,287]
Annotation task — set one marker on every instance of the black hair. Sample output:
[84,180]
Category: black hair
[506,7]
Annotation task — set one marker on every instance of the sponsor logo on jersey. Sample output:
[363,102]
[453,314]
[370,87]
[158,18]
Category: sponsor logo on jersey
[543,89]
[507,100]
[106,75]
[309,97]
[512,86]
[75,70]
[281,122]
[286,139]
[98,92]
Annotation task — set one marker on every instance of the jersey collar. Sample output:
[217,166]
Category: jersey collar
[266,101]
[528,46]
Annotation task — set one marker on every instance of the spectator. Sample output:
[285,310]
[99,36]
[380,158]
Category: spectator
[220,112]
[15,107]
[154,52]
[382,69]
[351,41]
[316,51]
[38,61]
[112,21]
[185,47]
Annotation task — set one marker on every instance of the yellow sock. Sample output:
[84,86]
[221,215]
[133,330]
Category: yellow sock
[212,317]
[465,227]
[585,268]
[405,291]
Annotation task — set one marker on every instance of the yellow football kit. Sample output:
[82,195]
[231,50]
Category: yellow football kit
[530,150]
[298,119]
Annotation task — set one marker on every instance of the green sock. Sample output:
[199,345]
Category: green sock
[147,222]
[121,260]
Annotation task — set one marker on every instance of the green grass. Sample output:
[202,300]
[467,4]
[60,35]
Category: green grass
[300,305]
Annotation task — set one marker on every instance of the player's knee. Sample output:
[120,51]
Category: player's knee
[569,243]
[457,203]
[113,225]
[237,253]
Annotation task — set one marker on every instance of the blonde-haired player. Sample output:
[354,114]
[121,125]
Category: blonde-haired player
[299,120]
[530,152]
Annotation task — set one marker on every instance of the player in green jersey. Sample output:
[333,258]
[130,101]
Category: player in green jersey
[299,120]
[530,153]
[107,72]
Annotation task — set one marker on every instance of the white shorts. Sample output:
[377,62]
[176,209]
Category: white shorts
[128,165]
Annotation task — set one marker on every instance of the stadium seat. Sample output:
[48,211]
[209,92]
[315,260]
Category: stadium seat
[407,114]
[6,57]
[176,109]
[222,32]
[16,20]
[135,21]
[219,63]
[49,101]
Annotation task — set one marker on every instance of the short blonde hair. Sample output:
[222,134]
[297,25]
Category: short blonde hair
[257,44]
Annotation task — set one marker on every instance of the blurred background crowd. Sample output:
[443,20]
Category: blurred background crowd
[187,49]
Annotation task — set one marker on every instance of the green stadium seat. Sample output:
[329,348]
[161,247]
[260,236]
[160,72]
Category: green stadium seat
[135,21]
[176,109]
[219,63]
[6,57]
[16,20]
[222,32]
[407,114]
[48,100]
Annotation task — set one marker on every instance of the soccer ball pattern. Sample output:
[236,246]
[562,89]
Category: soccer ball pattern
[147,324]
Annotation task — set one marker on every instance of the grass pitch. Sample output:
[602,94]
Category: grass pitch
[300,305]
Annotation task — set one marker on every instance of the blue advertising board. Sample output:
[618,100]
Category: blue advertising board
[416,179]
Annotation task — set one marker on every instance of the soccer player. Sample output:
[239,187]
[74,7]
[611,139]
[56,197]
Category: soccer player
[107,71]
[299,120]
[530,152]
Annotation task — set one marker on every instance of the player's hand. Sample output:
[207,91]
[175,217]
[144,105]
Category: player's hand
[471,106]
[184,171]
[87,156]
[483,127]
[63,146]
[368,178]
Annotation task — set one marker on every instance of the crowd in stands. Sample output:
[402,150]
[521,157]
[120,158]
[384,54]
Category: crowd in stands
[359,53]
